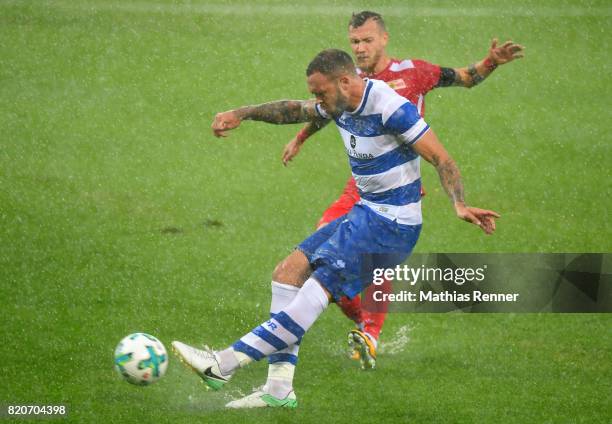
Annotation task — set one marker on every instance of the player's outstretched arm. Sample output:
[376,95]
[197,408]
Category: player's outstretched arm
[292,148]
[279,112]
[433,152]
[476,73]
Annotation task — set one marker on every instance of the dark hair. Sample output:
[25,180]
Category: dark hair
[358,19]
[331,62]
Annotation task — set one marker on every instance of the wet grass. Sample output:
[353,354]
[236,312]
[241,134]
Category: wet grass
[120,212]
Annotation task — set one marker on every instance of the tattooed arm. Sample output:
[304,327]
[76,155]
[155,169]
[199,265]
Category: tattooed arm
[433,152]
[279,112]
[475,73]
[430,149]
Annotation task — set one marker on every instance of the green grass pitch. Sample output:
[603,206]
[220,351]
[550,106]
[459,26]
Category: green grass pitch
[120,212]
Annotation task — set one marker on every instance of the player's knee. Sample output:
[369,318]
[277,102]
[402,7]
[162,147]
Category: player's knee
[277,274]
[292,270]
[286,274]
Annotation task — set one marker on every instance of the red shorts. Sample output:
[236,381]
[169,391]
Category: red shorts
[344,203]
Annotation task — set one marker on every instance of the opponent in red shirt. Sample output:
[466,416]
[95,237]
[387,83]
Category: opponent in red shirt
[412,79]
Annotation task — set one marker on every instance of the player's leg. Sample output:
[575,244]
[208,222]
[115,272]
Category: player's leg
[352,309]
[287,277]
[281,369]
[294,269]
[286,328]
[278,389]
[363,342]
[374,312]
[369,316]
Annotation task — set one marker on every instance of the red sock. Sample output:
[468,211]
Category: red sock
[351,308]
[373,312]
[373,322]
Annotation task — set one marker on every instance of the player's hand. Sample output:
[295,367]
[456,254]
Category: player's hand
[483,218]
[291,150]
[505,53]
[224,122]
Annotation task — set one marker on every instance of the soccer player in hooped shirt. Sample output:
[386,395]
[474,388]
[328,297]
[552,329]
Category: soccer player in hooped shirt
[412,79]
[384,136]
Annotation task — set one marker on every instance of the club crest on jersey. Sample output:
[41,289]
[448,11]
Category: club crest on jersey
[397,84]
[353,141]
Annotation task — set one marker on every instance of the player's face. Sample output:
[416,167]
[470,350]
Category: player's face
[331,93]
[368,43]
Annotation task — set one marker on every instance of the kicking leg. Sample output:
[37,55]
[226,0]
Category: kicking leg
[285,329]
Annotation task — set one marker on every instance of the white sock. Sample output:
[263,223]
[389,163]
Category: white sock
[285,329]
[282,364]
[282,295]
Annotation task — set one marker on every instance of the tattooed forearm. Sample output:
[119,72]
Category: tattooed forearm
[316,125]
[473,74]
[450,178]
[476,77]
[460,79]
[280,112]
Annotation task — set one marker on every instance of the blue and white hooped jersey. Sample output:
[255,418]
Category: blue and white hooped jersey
[378,137]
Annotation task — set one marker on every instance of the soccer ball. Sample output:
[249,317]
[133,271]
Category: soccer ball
[141,359]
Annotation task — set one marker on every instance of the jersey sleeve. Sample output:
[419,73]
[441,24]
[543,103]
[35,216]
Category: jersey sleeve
[427,76]
[403,120]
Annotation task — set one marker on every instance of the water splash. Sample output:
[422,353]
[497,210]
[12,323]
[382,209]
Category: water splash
[397,343]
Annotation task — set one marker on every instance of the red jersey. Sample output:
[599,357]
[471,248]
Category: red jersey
[411,78]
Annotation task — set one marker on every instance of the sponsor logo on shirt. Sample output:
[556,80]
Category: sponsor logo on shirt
[357,155]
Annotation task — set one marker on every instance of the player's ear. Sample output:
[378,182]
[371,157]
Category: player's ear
[385,37]
[344,82]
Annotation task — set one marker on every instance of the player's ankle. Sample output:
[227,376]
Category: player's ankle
[280,389]
[230,360]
